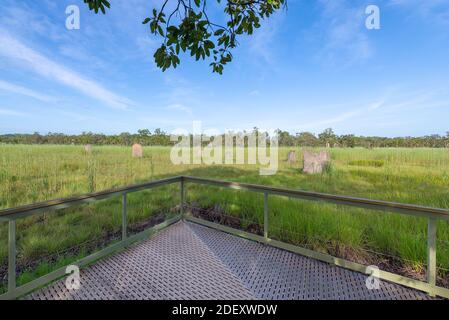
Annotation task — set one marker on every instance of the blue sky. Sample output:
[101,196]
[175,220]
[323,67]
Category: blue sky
[308,68]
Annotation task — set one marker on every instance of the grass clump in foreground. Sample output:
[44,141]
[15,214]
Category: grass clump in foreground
[417,176]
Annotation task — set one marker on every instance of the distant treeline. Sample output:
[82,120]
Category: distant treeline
[161,138]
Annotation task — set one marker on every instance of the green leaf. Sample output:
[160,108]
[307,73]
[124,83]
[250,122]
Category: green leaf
[218,32]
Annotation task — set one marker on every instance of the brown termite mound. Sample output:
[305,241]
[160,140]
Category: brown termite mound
[315,162]
[137,151]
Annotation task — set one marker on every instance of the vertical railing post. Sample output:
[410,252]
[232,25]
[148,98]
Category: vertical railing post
[432,251]
[265,216]
[182,198]
[124,224]
[12,257]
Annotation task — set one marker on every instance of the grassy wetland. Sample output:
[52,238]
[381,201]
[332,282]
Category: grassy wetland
[32,173]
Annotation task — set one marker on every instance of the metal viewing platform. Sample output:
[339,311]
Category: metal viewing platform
[186,257]
[188,261]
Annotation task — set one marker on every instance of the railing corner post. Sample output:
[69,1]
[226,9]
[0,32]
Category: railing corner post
[265,220]
[124,219]
[182,198]
[12,257]
[431,252]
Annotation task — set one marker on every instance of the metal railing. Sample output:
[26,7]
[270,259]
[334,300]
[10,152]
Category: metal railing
[432,215]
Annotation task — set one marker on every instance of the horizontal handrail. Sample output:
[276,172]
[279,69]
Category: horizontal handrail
[51,205]
[345,200]
[17,212]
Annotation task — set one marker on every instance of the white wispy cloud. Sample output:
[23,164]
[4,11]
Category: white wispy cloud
[10,87]
[391,107]
[160,121]
[181,94]
[20,17]
[76,116]
[180,107]
[344,116]
[9,112]
[40,64]
[344,33]
[435,11]
[147,44]
[261,42]
[254,92]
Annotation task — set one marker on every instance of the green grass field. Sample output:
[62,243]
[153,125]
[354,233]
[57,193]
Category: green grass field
[418,176]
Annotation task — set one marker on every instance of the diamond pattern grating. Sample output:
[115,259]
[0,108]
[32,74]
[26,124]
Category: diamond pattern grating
[189,261]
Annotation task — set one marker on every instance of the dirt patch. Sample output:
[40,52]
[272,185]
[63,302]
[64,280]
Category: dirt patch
[90,246]
[151,222]
[387,263]
[217,215]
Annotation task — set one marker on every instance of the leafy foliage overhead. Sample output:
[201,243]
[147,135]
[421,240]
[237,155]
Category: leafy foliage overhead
[187,28]
[97,5]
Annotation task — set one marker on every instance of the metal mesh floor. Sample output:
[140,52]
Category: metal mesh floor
[189,261]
